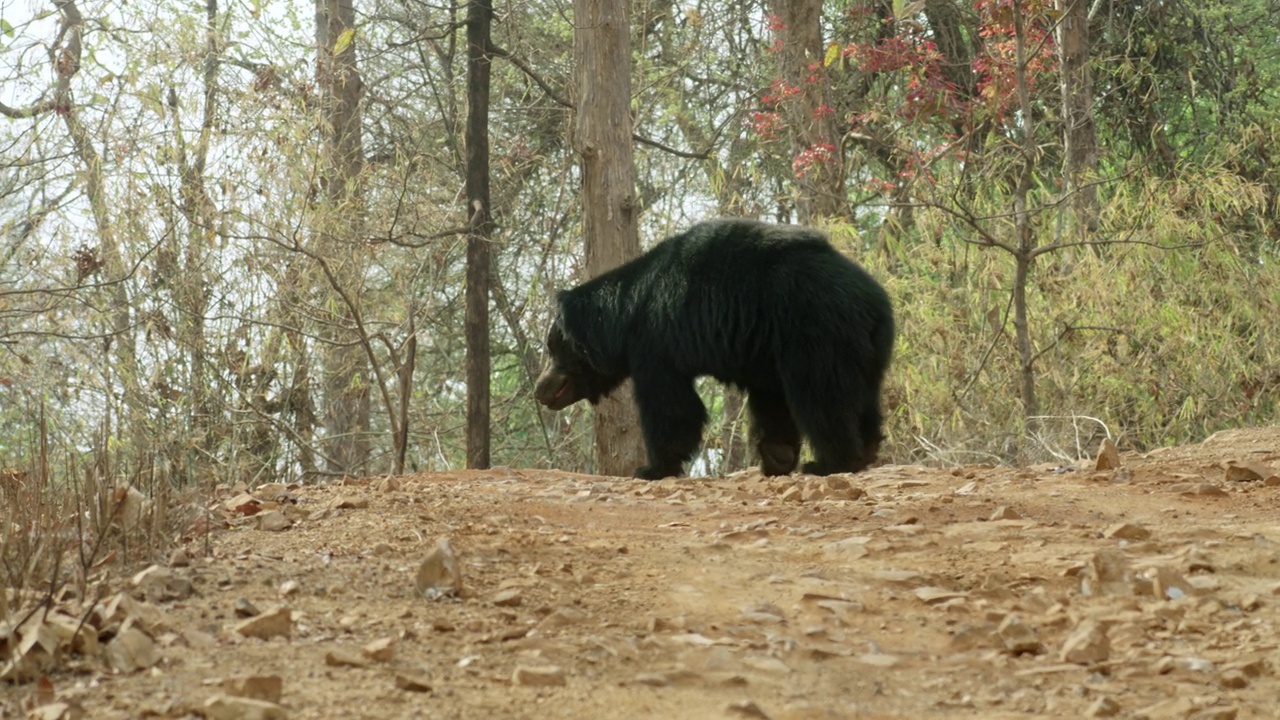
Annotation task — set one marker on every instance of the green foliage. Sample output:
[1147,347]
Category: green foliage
[1166,335]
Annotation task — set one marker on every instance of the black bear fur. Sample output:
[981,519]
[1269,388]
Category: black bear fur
[773,309]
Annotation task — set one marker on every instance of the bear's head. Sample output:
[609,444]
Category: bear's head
[569,376]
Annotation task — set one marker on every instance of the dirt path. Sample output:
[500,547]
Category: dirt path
[913,592]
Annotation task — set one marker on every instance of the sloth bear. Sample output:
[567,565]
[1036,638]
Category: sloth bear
[773,309]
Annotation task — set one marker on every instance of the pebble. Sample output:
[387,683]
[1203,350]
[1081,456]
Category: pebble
[877,659]
[439,574]
[412,682]
[1203,490]
[243,504]
[273,623]
[1247,471]
[349,503]
[1103,707]
[1175,709]
[853,548]
[931,595]
[767,664]
[1251,667]
[255,687]
[1215,713]
[1108,456]
[1234,679]
[1004,512]
[1088,644]
[227,707]
[199,639]
[246,609]
[131,650]
[565,616]
[667,678]
[273,521]
[1017,636]
[1127,531]
[1107,574]
[161,584]
[1169,584]
[507,598]
[381,650]
[747,708]
[538,676]
[341,657]
[56,711]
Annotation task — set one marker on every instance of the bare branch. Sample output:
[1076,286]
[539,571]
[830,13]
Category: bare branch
[445,31]
[703,155]
[424,239]
[535,77]
[564,102]
[30,111]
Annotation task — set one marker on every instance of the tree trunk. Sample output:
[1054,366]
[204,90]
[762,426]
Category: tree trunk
[1079,139]
[733,438]
[299,402]
[1022,224]
[479,16]
[346,382]
[200,213]
[819,177]
[404,384]
[120,345]
[602,138]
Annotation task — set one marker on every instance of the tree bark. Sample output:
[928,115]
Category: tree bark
[1022,224]
[733,438]
[602,139]
[479,17]
[121,344]
[346,382]
[200,213]
[1079,138]
[819,183]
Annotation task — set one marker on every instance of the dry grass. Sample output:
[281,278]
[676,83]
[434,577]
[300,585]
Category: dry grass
[68,539]
[1165,336]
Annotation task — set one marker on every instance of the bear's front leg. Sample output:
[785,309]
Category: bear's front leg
[671,417]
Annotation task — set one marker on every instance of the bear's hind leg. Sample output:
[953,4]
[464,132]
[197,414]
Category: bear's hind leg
[834,431]
[836,452]
[671,418]
[869,422]
[773,433]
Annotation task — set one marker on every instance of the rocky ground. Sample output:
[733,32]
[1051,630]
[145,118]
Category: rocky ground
[1147,589]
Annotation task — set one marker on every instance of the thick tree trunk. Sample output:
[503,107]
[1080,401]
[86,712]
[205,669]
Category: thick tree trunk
[346,383]
[602,138]
[1078,135]
[820,168]
[953,30]
[479,16]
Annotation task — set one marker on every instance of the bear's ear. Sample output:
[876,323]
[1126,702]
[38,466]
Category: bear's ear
[555,337]
[557,326]
[558,307]
[562,297]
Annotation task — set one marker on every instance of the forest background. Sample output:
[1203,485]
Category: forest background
[258,241]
